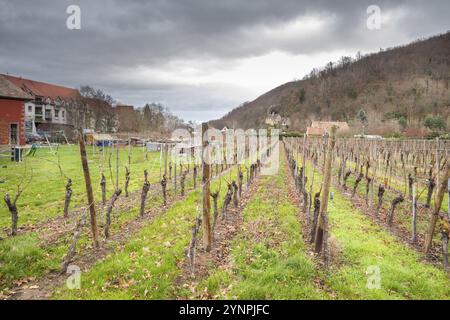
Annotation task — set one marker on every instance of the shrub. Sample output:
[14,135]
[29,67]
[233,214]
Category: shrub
[435,123]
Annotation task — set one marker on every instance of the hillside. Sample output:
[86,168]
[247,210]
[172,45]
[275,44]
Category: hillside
[398,88]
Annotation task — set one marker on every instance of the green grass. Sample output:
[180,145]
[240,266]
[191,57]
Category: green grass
[363,244]
[268,256]
[146,267]
[396,183]
[44,197]
[403,212]
[28,255]
[403,274]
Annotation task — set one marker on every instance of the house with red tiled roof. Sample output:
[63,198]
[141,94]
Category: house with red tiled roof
[47,111]
[315,132]
[319,128]
[12,113]
[126,117]
[100,115]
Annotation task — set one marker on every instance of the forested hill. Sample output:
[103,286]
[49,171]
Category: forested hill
[398,88]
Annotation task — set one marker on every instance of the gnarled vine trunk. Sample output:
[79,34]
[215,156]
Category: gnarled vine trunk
[67,197]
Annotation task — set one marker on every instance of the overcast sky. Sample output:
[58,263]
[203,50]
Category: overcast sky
[200,58]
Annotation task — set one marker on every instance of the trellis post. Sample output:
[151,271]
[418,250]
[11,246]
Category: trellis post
[206,190]
[325,192]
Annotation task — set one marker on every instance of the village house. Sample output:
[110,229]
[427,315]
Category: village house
[12,113]
[320,128]
[275,120]
[126,118]
[100,116]
[47,110]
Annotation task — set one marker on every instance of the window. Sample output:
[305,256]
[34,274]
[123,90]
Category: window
[14,134]
[63,115]
[56,114]
[30,108]
[48,114]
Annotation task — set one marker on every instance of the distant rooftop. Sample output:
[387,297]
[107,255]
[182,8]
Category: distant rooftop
[42,89]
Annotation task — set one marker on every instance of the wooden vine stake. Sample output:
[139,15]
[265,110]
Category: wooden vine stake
[414,214]
[448,204]
[103,187]
[207,239]
[321,222]
[437,208]
[90,194]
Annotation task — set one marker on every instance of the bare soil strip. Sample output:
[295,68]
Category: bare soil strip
[294,195]
[38,289]
[205,262]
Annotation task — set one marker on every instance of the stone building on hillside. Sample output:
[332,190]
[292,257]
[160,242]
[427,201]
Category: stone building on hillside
[320,128]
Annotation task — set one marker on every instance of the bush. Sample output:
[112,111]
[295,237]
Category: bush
[433,135]
[402,121]
[435,123]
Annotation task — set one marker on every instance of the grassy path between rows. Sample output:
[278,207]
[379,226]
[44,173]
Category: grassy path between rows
[147,266]
[29,256]
[269,259]
[366,250]
[268,256]
[43,198]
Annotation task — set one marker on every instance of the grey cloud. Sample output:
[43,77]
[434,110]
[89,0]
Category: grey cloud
[35,43]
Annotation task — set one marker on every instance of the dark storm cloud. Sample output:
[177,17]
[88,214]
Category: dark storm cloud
[117,38]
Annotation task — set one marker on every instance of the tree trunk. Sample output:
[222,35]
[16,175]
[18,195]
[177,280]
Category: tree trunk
[319,238]
[381,190]
[195,176]
[368,182]
[410,185]
[357,181]
[109,210]
[431,186]
[144,193]
[240,181]
[394,204]
[67,197]
[215,197]
[347,174]
[315,217]
[90,194]
[69,256]
[103,186]
[182,180]
[164,189]
[127,181]
[414,215]
[437,208]
[192,244]
[235,194]
[207,239]
[445,231]
[227,200]
[14,214]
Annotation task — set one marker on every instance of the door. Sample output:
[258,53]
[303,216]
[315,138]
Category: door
[14,134]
